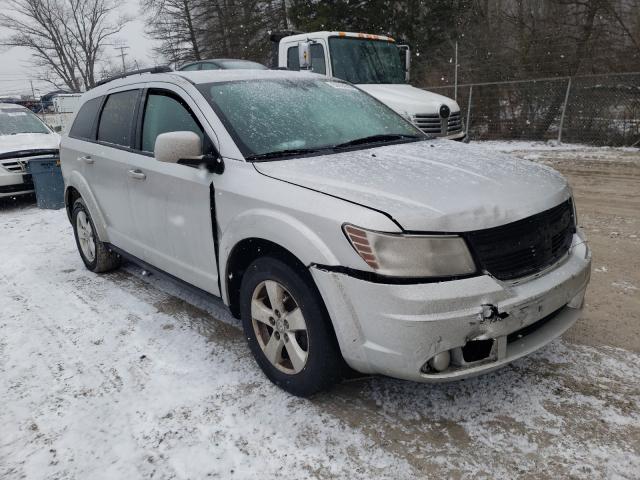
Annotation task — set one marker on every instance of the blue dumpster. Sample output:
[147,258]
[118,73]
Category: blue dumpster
[47,180]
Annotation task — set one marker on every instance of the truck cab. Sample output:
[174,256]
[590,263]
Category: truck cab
[377,65]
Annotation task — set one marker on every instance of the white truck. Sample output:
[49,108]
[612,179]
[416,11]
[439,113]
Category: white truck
[377,65]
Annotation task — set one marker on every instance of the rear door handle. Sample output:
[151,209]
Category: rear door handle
[86,159]
[137,174]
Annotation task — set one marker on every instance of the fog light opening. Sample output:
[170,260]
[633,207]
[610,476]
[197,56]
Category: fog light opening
[477,350]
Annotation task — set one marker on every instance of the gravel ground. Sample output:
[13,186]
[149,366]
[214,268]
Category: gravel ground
[127,375]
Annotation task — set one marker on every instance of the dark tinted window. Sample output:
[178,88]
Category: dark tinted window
[117,118]
[83,124]
[165,113]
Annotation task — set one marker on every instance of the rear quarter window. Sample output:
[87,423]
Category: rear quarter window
[116,119]
[83,125]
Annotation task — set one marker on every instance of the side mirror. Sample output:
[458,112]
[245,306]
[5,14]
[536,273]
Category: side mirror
[172,147]
[185,148]
[405,56]
[304,55]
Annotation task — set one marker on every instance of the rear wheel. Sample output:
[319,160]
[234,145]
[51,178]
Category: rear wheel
[287,328]
[95,254]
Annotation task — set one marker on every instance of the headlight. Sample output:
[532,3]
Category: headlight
[412,255]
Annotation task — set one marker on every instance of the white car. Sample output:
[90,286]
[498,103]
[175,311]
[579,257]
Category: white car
[334,228]
[23,136]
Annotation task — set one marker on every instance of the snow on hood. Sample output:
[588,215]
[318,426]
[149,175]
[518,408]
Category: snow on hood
[29,141]
[436,185]
[407,99]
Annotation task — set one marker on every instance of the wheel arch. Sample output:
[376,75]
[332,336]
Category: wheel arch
[77,187]
[243,254]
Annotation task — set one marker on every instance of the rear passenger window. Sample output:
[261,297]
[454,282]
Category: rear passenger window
[85,120]
[165,113]
[117,118]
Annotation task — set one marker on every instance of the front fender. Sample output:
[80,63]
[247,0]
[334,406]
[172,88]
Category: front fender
[277,227]
[77,181]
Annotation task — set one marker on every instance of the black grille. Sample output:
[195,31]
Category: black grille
[527,246]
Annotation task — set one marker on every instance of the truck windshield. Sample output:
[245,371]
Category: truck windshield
[20,120]
[273,118]
[359,60]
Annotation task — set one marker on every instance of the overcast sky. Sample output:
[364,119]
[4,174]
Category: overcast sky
[15,69]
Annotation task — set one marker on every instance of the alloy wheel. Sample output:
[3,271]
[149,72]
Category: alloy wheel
[86,237]
[280,327]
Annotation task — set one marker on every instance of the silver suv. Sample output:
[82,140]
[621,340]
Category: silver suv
[334,228]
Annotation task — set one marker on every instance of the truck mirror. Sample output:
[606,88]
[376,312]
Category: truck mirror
[405,57]
[304,55]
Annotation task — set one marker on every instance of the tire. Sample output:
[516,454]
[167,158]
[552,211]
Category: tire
[264,327]
[98,258]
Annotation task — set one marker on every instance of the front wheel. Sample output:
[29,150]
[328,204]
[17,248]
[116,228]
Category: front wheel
[288,329]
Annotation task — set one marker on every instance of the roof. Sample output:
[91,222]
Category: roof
[196,77]
[209,76]
[305,36]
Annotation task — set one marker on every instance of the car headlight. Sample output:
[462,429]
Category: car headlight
[411,255]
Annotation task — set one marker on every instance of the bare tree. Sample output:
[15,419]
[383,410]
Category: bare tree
[198,29]
[178,24]
[66,37]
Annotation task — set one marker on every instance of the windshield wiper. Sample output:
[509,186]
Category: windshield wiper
[283,153]
[376,139]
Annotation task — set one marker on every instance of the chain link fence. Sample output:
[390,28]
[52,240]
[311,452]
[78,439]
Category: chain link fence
[591,109]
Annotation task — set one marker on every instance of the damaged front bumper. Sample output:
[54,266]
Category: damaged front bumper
[456,329]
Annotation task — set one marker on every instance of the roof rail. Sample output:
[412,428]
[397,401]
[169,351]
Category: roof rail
[160,69]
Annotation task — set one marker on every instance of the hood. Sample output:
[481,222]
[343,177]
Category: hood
[407,99]
[29,141]
[431,186]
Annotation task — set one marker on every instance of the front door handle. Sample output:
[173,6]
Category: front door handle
[86,159]
[137,174]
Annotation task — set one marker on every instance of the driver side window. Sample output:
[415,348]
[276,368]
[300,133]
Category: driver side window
[318,62]
[165,112]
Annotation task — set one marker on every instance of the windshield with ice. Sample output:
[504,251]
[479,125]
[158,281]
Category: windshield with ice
[19,120]
[360,60]
[268,116]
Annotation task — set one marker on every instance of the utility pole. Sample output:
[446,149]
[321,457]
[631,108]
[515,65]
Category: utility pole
[33,92]
[122,55]
[455,75]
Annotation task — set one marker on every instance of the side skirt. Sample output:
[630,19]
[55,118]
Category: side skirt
[161,273]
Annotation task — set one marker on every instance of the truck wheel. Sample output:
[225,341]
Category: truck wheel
[95,254]
[288,329]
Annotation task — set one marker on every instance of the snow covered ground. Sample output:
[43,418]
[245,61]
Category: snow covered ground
[128,376]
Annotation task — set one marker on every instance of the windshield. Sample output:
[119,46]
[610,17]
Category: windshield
[274,115]
[358,60]
[20,120]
